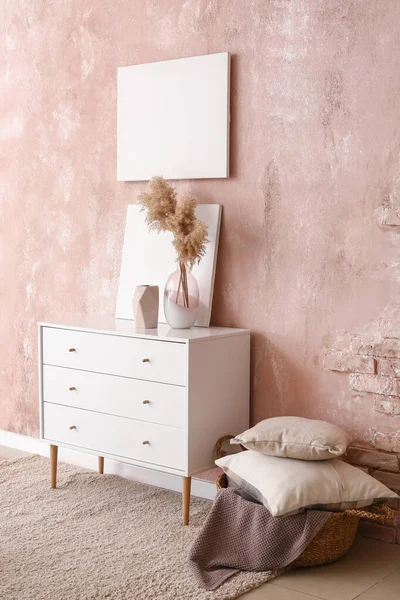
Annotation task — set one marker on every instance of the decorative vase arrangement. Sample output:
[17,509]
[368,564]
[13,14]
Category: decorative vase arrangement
[145,306]
[181,299]
[164,213]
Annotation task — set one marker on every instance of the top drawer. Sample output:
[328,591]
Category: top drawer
[151,360]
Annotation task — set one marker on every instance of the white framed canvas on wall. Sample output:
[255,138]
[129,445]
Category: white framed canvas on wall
[173,119]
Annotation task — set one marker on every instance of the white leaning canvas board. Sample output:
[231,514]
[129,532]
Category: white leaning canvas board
[148,258]
[173,119]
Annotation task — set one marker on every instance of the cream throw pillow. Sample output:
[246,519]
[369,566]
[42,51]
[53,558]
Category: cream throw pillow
[288,485]
[295,437]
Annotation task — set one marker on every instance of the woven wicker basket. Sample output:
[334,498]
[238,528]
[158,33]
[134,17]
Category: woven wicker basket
[335,537]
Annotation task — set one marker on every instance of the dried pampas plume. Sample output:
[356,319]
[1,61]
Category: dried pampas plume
[159,202]
[164,213]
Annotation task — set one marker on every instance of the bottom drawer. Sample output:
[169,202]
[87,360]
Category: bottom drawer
[115,435]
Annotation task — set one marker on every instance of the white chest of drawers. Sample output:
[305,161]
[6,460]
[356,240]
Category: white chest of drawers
[155,398]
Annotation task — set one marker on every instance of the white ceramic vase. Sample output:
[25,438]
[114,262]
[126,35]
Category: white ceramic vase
[181,299]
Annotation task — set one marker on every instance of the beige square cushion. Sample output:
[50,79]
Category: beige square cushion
[295,437]
[286,485]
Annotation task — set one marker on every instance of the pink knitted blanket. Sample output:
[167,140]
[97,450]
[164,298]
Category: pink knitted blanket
[242,535]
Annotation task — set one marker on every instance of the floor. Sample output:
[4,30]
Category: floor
[370,571]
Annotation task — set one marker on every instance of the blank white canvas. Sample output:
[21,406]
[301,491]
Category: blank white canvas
[149,258]
[173,119]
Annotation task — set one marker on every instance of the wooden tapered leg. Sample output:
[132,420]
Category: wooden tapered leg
[53,465]
[186,483]
[101,465]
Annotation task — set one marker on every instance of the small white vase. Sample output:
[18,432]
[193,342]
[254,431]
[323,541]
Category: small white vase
[181,299]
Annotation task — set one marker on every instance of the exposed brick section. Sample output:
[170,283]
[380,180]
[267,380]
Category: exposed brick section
[391,480]
[342,361]
[372,458]
[389,367]
[389,405]
[390,329]
[369,346]
[385,533]
[376,384]
[362,344]
[387,441]
[389,216]
[373,364]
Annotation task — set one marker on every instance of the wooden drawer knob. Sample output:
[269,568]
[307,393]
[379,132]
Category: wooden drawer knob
[72,350]
[145,360]
[146,401]
[72,389]
[145,443]
[72,427]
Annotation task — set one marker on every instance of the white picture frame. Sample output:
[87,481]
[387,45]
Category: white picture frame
[148,258]
[173,119]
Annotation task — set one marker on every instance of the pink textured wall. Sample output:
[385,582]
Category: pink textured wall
[315,152]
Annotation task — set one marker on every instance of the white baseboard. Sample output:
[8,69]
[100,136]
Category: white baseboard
[201,489]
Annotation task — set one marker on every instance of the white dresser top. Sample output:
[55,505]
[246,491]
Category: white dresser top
[112,326]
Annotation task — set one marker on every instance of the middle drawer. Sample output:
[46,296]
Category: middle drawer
[133,398]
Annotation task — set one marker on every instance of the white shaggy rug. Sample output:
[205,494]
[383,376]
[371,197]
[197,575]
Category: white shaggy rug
[97,537]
